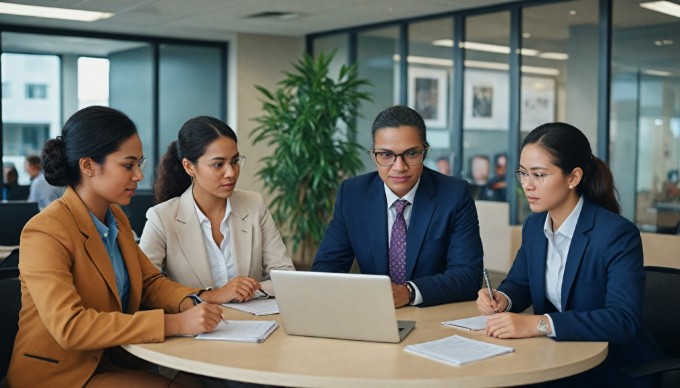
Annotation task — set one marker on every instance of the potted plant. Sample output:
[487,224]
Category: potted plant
[310,121]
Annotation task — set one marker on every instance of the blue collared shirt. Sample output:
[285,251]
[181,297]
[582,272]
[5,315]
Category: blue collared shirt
[109,233]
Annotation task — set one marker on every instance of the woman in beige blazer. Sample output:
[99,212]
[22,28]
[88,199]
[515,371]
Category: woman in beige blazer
[205,233]
[83,278]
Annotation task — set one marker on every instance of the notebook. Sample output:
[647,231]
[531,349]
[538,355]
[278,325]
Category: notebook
[343,306]
[472,323]
[242,331]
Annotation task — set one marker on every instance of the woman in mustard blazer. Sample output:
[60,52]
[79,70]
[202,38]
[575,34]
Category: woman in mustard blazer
[83,278]
[204,232]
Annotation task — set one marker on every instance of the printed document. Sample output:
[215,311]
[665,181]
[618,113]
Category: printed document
[472,323]
[457,350]
[243,331]
[256,307]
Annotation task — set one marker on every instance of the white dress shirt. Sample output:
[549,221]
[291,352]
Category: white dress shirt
[558,249]
[392,216]
[222,266]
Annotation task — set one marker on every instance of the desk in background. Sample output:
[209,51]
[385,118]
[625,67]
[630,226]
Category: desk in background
[313,362]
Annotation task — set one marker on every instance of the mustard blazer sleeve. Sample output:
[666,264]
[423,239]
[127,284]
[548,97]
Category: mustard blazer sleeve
[70,307]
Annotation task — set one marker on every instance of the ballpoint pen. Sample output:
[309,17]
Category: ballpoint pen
[198,300]
[488,285]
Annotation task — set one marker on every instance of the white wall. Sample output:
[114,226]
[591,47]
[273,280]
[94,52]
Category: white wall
[259,60]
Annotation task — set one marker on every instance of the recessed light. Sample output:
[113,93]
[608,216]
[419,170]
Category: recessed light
[53,13]
[572,12]
[526,35]
[666,7]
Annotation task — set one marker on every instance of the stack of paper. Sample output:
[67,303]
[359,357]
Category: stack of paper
[457,350]
[256,307]
[473,323]
[243,331]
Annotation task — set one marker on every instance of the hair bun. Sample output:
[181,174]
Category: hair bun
[54,163]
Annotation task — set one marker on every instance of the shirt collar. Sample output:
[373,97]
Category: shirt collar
[410,196]
[107,229]
[569,225]
[202,218]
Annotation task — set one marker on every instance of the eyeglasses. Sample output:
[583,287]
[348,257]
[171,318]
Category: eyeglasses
[412,157]
[537,178]
[140,164]
[220,168]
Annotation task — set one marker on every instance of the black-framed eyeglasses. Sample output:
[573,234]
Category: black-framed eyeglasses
[537,178]
[219,168]
[412,157]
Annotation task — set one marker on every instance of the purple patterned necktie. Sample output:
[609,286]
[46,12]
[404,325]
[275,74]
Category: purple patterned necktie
[398,244]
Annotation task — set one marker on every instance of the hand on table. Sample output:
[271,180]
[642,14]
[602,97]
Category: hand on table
[511,325]
[238,289]
[400,294]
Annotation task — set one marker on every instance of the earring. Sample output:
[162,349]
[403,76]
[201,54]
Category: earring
[89,174]
[571,187]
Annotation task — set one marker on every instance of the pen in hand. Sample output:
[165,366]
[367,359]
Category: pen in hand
[198,300]
[488,287]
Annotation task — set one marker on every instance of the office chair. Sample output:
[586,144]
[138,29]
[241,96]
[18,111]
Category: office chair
[661,318]
[14,216]
[10,304]
[136,210]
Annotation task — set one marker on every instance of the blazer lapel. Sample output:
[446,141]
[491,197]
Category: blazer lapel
[241,233]
[577,248]
[190,238]
[94,244]
[421,214]
[375,209]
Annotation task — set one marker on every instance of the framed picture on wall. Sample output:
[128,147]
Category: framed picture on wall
[427,94]
[538,102]
[486,99]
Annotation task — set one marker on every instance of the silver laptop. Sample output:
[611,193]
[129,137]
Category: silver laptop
[334,305]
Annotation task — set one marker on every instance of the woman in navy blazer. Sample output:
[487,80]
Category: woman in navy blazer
[580,264]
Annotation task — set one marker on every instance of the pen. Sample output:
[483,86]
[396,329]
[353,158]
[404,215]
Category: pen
[488,284]
[198,300]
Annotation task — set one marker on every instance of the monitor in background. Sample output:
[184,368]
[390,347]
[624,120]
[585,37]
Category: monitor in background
[337,305]
[13,216]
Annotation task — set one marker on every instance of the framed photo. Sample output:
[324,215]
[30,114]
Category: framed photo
[538,102]
[486,100]
[427,94]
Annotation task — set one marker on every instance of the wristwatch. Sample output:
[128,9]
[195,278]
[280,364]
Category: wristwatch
[542,327]
[411,293]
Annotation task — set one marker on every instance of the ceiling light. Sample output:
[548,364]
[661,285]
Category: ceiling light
[443,42]
[413,59]
[572,12]
[491,48]
[53,13]
[526,35]
[659,73]
[666,7]
[557,56]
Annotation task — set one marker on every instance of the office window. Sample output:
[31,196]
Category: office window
[6,90]
[36,91]
[645,115]
[486,105]
[93,82]
[428,85]
[378,61]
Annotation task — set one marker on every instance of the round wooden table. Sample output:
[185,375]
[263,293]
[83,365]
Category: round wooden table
[319,362]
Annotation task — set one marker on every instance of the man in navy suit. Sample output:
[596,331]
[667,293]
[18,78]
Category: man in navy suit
[405,220]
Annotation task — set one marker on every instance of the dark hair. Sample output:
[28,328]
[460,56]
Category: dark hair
[569,148]
[33,160]
[398,116]
[94,132]
[194,138]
